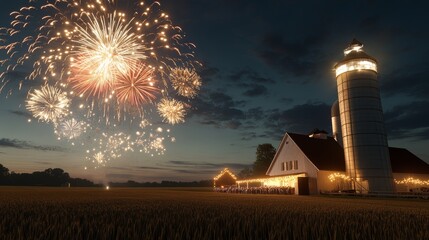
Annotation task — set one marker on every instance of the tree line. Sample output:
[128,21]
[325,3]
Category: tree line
[56,177]
[52,177]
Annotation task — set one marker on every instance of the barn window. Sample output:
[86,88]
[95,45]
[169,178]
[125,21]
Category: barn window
[295,164]
[290,165]
[283,166]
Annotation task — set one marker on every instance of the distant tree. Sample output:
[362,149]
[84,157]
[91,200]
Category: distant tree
[4,171]
[79,182]
[264,155]
[245,173]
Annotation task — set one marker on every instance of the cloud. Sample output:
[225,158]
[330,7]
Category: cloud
[255,113]
[233,124]
[17,80]
[120,176]
[43,163]
[19,144]
[188,171]
[251,81]
[408,121]
[249,75]
[247,136]
[217,109]
[220,110]
[208,73]
[301,119]
[152,168]
[407,82]
[21,113]
[286,100]
[299,58]
[202,165]
[256,90]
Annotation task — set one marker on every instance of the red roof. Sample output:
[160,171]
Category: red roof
[327,154]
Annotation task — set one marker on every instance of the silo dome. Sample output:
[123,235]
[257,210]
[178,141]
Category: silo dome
[335,109]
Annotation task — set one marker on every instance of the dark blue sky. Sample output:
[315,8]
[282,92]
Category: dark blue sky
[268,69]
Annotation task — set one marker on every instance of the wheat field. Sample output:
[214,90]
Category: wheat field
[198,213]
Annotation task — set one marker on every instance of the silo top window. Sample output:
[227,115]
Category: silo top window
[356,65]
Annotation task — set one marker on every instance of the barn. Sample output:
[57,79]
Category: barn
[357,158]
[315,163]
[224,179]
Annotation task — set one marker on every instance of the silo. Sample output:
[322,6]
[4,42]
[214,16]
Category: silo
[336,123]
[362,125]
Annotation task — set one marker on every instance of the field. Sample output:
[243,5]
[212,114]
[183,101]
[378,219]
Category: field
[192,213]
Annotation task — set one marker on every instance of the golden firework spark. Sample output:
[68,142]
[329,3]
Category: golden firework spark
[185,81]
[172,111]
[100,51]
[136,87]
[105,48]
[144,123]
[70,128]
[48,104]
[99,158]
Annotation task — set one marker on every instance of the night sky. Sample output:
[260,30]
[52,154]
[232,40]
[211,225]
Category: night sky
[268,68]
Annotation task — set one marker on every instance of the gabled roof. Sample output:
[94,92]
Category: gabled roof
[404,161]
[225,172]
[325,154]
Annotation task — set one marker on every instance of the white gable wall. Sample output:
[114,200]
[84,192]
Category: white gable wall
[290,152]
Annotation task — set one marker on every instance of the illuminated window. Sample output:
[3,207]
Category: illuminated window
[295,164]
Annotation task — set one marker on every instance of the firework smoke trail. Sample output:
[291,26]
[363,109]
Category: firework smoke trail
[48,104]
[105,60]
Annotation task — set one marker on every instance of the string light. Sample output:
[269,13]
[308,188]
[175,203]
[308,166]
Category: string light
[336,176]
[281,181]
[413,181]
[224,171]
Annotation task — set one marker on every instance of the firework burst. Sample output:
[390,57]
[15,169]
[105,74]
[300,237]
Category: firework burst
[106,60]
[104,48]
[152,143]
[144,123]
[185,81]
[99,158]
[137,87]
[70,129]
[172,111]
[48,104]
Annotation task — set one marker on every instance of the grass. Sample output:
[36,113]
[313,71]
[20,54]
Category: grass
[192,213]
